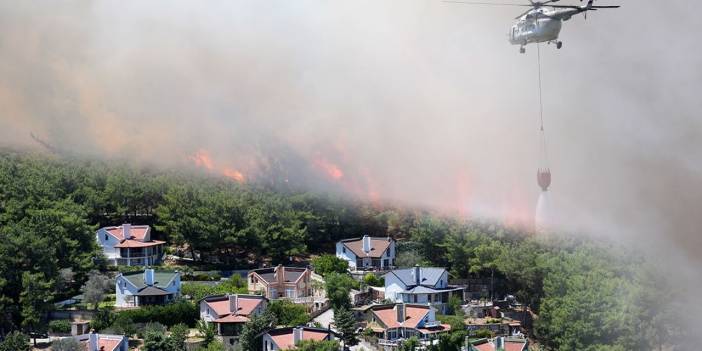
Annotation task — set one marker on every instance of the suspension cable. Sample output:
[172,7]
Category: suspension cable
[544,151]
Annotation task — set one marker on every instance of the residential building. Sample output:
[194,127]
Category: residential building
[367,253]
[421,285]
[288,338]
[292,283]
[103,342]
[130,245]
[147,287]
[395,323]
[500,344]
[229,313]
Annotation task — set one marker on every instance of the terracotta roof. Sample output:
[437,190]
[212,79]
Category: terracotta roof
[130,243]
[232,319]
[378,247]
[138,232]
[284,337]
[108,344]
[413,315]
[246,306]
[510,345]
[439,329]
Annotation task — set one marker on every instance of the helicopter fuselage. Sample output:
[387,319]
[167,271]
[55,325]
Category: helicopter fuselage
[535,30]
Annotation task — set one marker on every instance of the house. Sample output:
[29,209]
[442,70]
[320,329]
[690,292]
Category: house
[421,285]
[367,253]
[103,342]
[500,344]
[229,313]
[130,245]
[147,287]
[293,283]
[394,323]
[287,338]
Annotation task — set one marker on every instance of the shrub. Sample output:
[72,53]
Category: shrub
[61,326]
[288,313]
[482,333]
[179,312]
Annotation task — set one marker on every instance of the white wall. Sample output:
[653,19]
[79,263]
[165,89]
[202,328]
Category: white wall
[393,286]
[349,256]
[108,246]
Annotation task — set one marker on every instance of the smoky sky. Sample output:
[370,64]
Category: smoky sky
[415,102]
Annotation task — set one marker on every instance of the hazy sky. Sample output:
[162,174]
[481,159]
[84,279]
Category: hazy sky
[420,102]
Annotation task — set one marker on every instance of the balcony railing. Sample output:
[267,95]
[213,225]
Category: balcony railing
[386,342]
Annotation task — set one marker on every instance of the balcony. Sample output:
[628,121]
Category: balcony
[386,342]
[432,324]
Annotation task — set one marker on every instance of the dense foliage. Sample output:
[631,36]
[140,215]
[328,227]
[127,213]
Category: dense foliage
[288,314]
[586,297]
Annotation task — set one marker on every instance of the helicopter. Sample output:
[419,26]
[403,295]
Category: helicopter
[542,22]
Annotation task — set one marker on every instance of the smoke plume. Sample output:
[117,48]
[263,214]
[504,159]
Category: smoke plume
[421,103]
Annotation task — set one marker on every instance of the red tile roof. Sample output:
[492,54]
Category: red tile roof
[413,315]
[378,247]
[246,307]
[138,232]
[439,329]
[108,344]
[136,244]
[285,341]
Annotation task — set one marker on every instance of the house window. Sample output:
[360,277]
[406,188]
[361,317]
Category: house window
[231,341]
[343,249]
[106,237]
[290,292]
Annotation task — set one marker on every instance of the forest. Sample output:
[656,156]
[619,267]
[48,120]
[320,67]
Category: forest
[585,295]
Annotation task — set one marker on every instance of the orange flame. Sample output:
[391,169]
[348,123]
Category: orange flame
[202,158]
[234,174]
[331,170]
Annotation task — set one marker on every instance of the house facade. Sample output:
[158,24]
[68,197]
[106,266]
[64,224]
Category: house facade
[148,287]
[130,245]
[394,323]
[367,253]
[288,338]
[229,313]
[103,342]
[294,283]
[421,285]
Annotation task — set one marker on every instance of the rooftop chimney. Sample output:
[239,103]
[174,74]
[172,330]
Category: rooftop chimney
[499,343]
[416,272]
[366,244]
[149,276]
[127,231]
[297,335]
[401,312]
[234,304]
[92,341]
[280,274]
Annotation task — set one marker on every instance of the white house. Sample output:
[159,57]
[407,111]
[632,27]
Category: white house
[229,313]
[397,322]
[130,245]
[103,342]
[421,285]
[148,287]
[288,338]
[367,253]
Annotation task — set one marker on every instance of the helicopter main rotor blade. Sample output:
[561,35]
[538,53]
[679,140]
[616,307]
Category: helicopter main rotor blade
[485,3]
[605,7]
